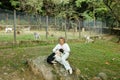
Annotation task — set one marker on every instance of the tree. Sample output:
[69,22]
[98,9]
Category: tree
[114,7]
[31,6]
[6,4]
[0,3]
[60,1]
[48,8]
[91,8]
[14,3]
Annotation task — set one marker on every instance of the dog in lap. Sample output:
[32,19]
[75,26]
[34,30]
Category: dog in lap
[51,57]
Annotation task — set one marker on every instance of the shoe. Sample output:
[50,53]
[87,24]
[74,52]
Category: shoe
[54,62]
[70,70]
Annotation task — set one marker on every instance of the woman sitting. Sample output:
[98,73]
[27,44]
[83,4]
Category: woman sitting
[64,48]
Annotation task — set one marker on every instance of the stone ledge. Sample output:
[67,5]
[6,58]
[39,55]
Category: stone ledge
[40,67]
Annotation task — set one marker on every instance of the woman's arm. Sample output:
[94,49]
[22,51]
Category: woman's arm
[66,48]
[55,48]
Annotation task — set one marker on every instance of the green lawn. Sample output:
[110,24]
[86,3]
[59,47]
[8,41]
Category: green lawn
[29,35]
[97,57]
[90,58]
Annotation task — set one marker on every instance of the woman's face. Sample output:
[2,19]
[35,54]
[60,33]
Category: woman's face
[61,41]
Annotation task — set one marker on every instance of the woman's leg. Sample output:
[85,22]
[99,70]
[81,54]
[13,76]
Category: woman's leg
[62,60]
[66,63]
[58,59]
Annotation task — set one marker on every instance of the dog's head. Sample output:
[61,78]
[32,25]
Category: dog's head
[57,52]
[61,50]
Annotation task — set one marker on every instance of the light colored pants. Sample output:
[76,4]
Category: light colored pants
[62,60]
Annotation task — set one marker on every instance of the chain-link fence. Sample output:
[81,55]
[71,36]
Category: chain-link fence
[37,27]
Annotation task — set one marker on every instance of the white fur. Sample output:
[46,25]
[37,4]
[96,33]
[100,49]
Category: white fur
[88,39]
[36,36]
[27,29]
[8,30]
[58,53]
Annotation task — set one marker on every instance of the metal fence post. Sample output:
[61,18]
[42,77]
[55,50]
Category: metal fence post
[7,18]
[15,26]
[40,22]
[79,29]
[55,21]
[46,26]
[65,29]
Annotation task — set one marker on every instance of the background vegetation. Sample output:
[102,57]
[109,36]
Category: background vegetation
[106,10]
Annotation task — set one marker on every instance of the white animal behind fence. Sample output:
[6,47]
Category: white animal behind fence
[36,36]
[8,30]
[88,39]
[27,29]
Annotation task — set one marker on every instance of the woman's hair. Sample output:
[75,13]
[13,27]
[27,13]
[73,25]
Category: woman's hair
[62,38]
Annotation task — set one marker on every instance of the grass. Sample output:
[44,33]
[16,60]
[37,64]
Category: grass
[90,58]
[99,57]
[28,35]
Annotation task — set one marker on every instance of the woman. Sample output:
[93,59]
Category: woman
[62,45]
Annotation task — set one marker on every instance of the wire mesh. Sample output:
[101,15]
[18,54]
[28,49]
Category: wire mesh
[28,24]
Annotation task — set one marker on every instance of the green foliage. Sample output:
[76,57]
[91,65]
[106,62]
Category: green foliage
[14,3]
[94,8]
[79,2]
[0,3]
[31,6]
[63,8]
[2,22]
[62,14]
[68,9]
[88,16]
[60,1]
[49,8]
[101,9]
[114,7]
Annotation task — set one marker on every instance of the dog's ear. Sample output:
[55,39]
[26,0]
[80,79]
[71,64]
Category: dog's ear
[61,50]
